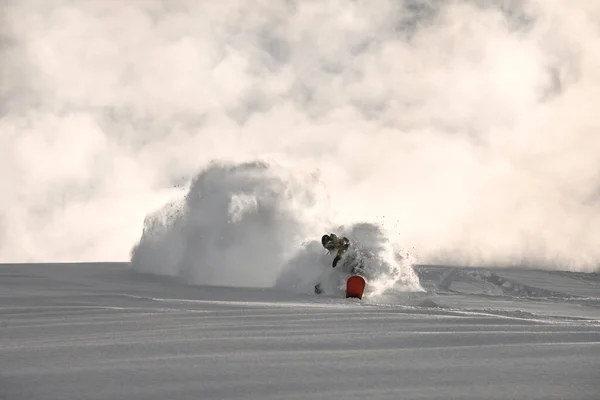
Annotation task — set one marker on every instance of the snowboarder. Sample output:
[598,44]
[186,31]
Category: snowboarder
[333,243]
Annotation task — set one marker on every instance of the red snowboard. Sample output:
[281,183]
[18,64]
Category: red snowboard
[355,286]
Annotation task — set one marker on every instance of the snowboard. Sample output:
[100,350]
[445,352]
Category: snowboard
[355,286]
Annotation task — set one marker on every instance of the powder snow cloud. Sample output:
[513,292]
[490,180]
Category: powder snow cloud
[467,127]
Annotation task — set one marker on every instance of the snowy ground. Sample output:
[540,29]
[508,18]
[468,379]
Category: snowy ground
[100,331]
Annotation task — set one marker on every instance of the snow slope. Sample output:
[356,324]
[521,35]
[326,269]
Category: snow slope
[103,331]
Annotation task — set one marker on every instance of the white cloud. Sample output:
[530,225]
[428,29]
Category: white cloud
[470,126]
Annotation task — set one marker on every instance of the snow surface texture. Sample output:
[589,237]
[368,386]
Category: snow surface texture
[468,128]
[103,332]
[242,225]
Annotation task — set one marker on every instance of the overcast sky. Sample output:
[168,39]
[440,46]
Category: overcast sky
[469,128]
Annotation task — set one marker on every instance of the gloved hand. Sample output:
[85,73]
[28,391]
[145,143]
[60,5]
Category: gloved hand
[335,260]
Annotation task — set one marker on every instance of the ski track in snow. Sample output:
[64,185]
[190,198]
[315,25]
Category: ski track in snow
[101,331]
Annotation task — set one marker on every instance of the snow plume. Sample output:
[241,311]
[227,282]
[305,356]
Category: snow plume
[244,225]
[235,227]
[468,128]
[372,254]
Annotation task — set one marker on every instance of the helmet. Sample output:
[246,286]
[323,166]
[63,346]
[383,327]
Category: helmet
[326,239]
